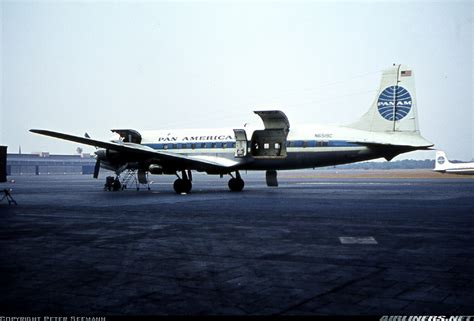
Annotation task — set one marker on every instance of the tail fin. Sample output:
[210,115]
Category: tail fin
[394,108]
[441,161]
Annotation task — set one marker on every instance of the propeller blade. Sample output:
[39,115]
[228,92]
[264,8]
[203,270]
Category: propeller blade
[96,169]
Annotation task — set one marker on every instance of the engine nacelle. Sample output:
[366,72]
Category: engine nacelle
[108,155]
[155,169]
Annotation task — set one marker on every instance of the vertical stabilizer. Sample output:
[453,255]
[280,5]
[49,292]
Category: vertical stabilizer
[441,161]
[394,108]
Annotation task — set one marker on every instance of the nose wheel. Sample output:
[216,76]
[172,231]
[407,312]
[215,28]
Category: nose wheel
[236,184]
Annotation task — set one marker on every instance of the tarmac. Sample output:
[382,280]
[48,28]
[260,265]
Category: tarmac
[322,243]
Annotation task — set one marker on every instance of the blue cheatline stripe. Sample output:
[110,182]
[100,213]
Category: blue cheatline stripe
[341,143]
[219,145]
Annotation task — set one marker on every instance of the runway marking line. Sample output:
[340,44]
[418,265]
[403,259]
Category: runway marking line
[357,240]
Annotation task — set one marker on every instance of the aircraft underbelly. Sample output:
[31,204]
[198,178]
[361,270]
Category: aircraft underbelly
[299,160]
[463,171]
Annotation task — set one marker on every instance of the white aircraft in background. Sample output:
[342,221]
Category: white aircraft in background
[443,165]
[389,128]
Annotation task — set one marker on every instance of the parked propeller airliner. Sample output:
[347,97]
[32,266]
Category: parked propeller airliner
[443,165]
[389,128]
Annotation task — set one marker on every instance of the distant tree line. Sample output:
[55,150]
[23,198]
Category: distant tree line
[400,164]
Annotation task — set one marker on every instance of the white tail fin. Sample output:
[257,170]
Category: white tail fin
[394,108]
[441,161]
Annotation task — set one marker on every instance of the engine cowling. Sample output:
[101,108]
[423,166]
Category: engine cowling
[155,169]
[108,155]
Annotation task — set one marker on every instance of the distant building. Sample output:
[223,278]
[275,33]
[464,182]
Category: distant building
[3,164]
[46,164]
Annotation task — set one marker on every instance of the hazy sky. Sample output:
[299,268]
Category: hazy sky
[91,66]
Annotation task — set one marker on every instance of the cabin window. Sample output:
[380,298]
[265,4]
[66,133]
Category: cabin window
[266,146]
[203,145]
[165,146]
[213,145]
[233,145]
[193,146]
[305,144]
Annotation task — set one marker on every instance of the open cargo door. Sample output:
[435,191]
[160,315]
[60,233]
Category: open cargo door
[271,141]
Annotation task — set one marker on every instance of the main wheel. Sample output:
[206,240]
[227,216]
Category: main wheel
[187,185]
[116,185]
[178,186]
[236,184]
[182,186]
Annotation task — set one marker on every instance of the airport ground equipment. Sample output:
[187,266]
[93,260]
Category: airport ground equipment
[112,184]
[8,196]
[135,177]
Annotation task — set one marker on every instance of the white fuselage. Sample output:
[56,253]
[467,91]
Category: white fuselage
[457,168]
[307,146]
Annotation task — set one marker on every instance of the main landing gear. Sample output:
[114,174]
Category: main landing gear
[236,184]
[183,184]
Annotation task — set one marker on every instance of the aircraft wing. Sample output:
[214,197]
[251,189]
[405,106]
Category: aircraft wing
[199,161]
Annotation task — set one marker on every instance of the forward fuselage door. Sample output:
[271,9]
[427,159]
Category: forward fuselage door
[240,143]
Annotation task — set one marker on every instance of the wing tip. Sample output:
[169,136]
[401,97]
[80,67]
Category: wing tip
[40,131]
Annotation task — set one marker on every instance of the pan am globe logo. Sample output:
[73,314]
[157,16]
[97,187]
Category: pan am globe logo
[389,97]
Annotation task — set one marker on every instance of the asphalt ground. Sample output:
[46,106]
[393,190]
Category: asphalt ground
[71,248]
